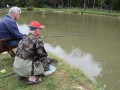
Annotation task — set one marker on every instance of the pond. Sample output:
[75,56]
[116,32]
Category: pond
[88,42]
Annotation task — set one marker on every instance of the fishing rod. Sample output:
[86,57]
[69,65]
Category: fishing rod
[62,35]
[78,35]
[7,75]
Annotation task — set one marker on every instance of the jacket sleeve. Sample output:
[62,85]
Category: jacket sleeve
[13,29]
[41,52]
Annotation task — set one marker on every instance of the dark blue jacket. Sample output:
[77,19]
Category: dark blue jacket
[8,28]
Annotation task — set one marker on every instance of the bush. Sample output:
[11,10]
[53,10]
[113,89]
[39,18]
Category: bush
[29,8]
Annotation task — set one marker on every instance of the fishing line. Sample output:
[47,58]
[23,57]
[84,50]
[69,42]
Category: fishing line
[115,85]
[62,35]
[79,35]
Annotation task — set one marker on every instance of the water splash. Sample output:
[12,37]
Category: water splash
[77,58]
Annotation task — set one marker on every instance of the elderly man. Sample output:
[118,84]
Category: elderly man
[9,28]
[31,58]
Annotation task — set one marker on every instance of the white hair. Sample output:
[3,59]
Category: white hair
[14,9]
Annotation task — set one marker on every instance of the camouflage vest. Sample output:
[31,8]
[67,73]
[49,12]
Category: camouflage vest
[26,48]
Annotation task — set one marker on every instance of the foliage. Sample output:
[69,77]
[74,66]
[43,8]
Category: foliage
[102,4]
[116,4]
[29,8]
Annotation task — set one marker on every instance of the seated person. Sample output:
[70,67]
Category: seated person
[31,57]
[8,26]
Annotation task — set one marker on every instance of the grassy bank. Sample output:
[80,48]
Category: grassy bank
[74,10]
[82,11]
[65,78]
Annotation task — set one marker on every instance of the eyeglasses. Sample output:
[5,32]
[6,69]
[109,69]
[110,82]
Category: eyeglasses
[18,14]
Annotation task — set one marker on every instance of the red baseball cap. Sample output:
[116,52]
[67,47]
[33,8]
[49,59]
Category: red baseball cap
[36,24]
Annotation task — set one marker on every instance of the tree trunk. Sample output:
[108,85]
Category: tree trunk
[101,4]
[88,3]
[84,4]
[62,3]
[93,4]
[70,3]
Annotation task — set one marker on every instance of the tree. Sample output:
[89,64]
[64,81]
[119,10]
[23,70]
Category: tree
[102,4]
[116,4]
[93,4]
[85,4]
[54,3]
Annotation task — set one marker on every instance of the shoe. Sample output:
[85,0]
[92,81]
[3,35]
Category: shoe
[54,62]
[22,78]
[51,70]
[38,80]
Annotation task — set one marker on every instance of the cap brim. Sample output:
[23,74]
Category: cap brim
[41,26]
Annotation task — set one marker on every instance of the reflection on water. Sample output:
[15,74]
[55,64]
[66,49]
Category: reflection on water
[23,28]
[77,58]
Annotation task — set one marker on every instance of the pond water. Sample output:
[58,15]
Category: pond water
[88,42]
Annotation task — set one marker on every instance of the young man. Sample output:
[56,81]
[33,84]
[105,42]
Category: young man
[31,57]
[9,28]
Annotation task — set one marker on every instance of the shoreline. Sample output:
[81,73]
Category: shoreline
[73,10]
[81,11]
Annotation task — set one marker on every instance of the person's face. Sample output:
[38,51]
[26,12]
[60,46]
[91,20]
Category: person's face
[16,16]
[38,32]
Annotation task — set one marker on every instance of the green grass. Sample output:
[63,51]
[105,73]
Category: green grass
[74,10]
[83,11]
[66,77]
